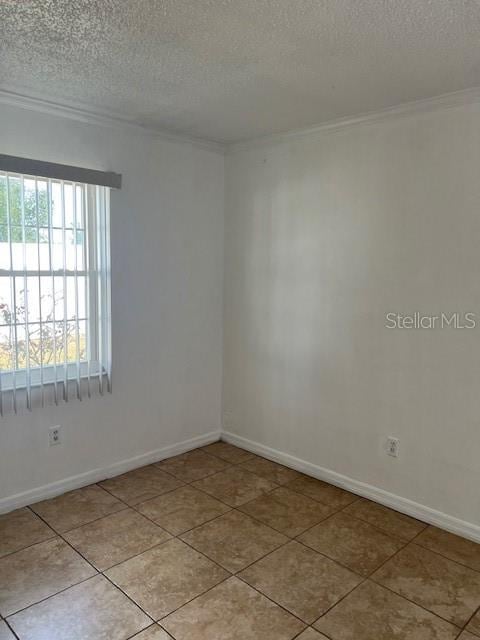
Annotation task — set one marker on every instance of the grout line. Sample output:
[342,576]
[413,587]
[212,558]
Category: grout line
[238,505]
[177,537]
[420,606]
[33,604]
[329,517]
[265,555]
[192,599]
[271,600]
[298,635]
[58,532]
[435,553]
[438,553]
[129,598]
[230,574]
[351,515]
[236,574]
[335,561]
[29,546]
[372,579]
[278,530]
[97,574]
[284,485]
[102,571]
[398,538]
[364,580]
[375,526]
[197,526]
[10,629]
[126,594]
[159,544]
[60,535]
[464,628]
[159,466]
[152,626]
[425,525]
[109,491]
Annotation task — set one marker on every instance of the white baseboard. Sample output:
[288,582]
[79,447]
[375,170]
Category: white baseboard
[410,508]
[95,475]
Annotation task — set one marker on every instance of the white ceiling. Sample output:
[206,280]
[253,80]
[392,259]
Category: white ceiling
[229,70]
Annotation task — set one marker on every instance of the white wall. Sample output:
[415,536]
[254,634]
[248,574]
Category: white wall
[326,233]
[167,274]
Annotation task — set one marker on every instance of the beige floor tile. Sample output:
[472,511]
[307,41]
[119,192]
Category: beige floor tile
[373,613]
[193,465]
[155,632]
[301,580]
[166,577]
[311,634]
[32,574]
[446,588]
[5,633]
[235,486]
[234,540]
[182,509]
[465,636]
[388,520]
[116,538]
[474,625]
[270,470]
[322,491]
[232,611]
[352,542]
[77,507]
[20,529]
[451,546]
[287,511]
[93,610]
[228,452]
[140,484]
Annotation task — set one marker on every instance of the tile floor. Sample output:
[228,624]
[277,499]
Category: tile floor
[220,544]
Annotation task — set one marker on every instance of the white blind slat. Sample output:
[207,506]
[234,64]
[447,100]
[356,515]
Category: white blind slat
[54,290]
[54,299]
[13,301]
[40,314]
[25,299]
[65,307]
[77,325]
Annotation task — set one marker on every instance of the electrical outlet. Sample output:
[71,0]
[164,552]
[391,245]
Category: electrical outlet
[55,436]
[393,445]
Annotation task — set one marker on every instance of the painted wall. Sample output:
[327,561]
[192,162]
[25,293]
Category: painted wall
[325,233]
[167,274]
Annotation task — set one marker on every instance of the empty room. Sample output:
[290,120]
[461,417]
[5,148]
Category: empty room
[240,320]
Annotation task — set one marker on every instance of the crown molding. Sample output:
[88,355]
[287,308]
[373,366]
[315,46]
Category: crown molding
[427,105]
[112,119]
[102,118]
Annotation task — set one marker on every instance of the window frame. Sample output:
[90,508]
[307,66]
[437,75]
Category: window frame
[96,257]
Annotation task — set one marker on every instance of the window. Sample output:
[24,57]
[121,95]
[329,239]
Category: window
[54,289]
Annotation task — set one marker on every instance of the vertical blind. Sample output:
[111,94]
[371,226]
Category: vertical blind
[55,325]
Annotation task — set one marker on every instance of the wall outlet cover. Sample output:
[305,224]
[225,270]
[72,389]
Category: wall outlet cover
[55,435]
[393,446]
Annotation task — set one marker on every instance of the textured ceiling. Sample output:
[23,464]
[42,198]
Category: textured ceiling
[230,70]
